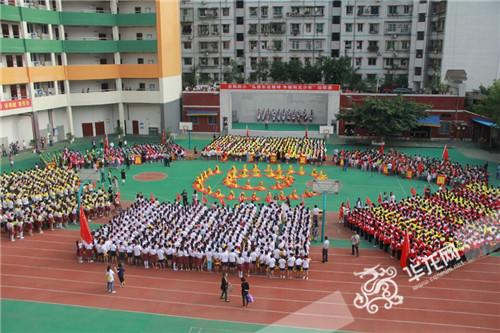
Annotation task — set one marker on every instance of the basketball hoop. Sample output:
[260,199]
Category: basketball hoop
[326,133]
[184,129]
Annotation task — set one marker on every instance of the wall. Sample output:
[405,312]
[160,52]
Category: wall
[93,114]
[439,102]
[202,101]
[131,58]
[148,115]
[89,59]
[16,128]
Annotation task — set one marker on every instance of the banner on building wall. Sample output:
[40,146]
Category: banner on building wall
[308,87]
[17,104]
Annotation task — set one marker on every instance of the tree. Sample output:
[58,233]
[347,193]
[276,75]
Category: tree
[278,71]
[294,71]
[311,74]
[336,70]
[233,72]
[490,105]
[260,72]
[385,116]
[189,79]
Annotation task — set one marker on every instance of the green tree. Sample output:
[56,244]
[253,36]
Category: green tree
[294,70]
[311,74]
[188,79]
[260,72]
[490,105]
[233,72]
[336,70]
[278,71]
[385,116]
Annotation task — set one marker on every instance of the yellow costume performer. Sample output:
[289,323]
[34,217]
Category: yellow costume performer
[269,197]
[217,170]
[209,190]
[277,186]
[294,195]
[290,170]
[218,194]
[314,173]
[301,171]
[231,196]
[321,175]
[248,186]
[282,196]
[268,169]
[261,186]
[210,172]
[254,197]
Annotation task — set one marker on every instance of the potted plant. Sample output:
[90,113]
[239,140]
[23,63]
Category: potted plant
[119,131]
[70,137]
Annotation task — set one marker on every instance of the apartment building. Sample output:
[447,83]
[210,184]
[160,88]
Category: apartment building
[86,67]
[413,40]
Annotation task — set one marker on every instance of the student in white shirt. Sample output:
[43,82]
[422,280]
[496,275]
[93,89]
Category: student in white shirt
[282,263]
[291,264]
[298,267]
[305,267]
[272,265]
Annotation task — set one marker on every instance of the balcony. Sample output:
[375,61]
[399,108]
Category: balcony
[209,17]
[187,18]
[373,48]
[295,32]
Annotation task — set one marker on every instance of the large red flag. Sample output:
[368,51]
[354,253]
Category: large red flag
[204,199]
[303,203]
[152,198]
[348,204]
[118,196]
[84,228]
[178,197]
[405,250]
[106,142]
[379,197]
[413,191]
[369,202]
[445,153]
[247,132]
[163,137]
[420,167]
[307,134]
[382,149]
[222,201]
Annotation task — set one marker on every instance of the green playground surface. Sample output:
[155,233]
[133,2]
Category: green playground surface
[49,317]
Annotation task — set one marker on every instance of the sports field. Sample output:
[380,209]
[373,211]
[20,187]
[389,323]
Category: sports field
[44,289]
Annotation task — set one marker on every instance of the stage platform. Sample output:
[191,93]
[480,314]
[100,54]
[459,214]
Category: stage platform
[276,130]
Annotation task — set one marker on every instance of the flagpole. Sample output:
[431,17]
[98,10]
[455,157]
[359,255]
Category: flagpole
[324,214]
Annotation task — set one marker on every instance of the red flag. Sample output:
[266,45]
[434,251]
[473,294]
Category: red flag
[382,149]
[413,191]
[84,228]
[222,201]
[405,250]
[247,132]
[445,153]
[369,202]
[379,198]
[106,142]
[118,196]
[103,188]
[153,198]
[348,204]
[178,197]
[420,167]
[163,137]
[204,199]
[342,151]
[442,186]
[307,134]
[303,203]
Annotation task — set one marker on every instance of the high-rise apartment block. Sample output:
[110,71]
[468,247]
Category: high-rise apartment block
[87,67]
[416,41]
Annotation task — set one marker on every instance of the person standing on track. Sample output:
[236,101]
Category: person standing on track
[224,286]
[121,275]
[245,287]
[355,241]
[110,278]
[326,244]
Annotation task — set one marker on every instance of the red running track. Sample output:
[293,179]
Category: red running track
[44,268]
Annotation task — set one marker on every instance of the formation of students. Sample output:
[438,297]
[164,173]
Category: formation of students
[466,217]
[247,239]
[282,115]
[113,156]
[421,167]
[290,149]
[38,199]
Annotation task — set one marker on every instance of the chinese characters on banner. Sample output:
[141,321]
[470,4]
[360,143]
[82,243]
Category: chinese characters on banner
[409,174]
[17,104]
[273,159]
[137,160]
[435,260]
[302,159]
[385,170]
[307,87]
[440,179]
[251,158]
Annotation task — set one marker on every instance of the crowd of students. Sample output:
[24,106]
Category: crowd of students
[282,115]
[421,167]
[286,149]
[38,199]
[247,239]
[113,156]
[466,217]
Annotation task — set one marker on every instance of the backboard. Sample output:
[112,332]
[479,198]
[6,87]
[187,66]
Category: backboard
[326,185]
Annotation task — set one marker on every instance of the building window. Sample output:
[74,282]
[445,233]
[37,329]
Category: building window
[349,10]
[216,61]
[253,61]
[390,45]
[240,53]
[253,11]
[187,61]
[389,62]
[138,10]
[360,27]
[225,28]
[212,120]
[295,44]
[359,45]
[263,44]
[187,45]
[308,27]
[319,28]
[263,12]
[393,10]
[337,3]
[391,27]
[225,11]
[421,17]
[404,62]
[295,28]
[253,44]
[239,20]
[420,35]
[445,127]
[226,61]
[348,27]
[336,19]
[277,11]
[348,44]
[336,36]
[204,61]
[372,61]
[140,60]
[194,119]
[278,45]
[215,29]
[358,61]
[318,45]
[418,71]
[226,45]
[419,53]
[240,37]
[374,10]
[137,35]
[407,9]
[405,45]
[335,53]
